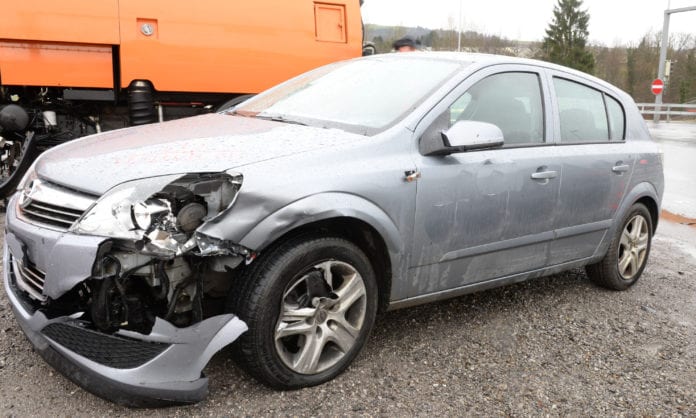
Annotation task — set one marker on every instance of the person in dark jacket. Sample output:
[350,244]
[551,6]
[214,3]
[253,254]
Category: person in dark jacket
[405,44]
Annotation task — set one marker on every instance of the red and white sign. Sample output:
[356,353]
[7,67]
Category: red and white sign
[657,86]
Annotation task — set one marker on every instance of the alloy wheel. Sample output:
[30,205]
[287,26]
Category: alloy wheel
[633,247]
[321,316]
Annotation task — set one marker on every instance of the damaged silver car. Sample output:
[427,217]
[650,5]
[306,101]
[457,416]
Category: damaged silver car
[287,223]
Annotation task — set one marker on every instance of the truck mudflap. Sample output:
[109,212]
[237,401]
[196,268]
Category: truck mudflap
[161,368]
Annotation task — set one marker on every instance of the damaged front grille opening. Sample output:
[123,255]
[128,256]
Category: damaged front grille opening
[133,290]
[161,267]
[132,299]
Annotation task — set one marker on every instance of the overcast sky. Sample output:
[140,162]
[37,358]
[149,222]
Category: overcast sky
[612,22]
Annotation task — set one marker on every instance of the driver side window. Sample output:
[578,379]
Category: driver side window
[511,101]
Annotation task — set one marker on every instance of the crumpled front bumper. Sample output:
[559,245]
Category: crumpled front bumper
[129,368]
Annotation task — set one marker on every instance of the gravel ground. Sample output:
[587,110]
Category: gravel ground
[552,346]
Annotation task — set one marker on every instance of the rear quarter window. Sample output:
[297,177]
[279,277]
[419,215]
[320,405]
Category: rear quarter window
[617,119]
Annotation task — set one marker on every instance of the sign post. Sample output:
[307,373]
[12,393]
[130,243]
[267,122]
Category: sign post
[663,54]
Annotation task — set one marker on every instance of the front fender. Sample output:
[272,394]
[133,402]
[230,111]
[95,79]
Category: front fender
[320,207]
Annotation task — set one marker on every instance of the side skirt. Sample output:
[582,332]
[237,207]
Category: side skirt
[489,284]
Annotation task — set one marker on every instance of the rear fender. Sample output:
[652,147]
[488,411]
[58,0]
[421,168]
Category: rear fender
[638,192]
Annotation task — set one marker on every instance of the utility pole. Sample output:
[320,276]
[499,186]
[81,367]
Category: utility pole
[663,54]
[459,38]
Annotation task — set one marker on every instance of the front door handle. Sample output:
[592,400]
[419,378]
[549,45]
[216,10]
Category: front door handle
[544,175]
[620,168]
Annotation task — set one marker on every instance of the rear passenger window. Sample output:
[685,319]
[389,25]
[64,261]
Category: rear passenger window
[582,112]
[617,120]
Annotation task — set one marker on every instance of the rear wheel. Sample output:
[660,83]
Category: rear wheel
[628,252]
[310,305]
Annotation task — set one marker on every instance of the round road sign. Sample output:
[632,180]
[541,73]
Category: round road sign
[657,86]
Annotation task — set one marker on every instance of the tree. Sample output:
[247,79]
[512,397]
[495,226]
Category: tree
[642,67]
[566,37]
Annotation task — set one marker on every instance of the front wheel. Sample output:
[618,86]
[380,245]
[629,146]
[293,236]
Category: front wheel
[628,252]
[310,305]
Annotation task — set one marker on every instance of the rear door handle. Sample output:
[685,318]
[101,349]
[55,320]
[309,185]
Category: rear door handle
[620,168]
[544,175]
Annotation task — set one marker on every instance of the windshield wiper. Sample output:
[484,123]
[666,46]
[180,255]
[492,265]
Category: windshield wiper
[280,118]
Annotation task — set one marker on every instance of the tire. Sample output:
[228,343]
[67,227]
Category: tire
[141,104]
[628,252]
[310,305]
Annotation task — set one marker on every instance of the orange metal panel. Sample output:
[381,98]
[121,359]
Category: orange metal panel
[55,64]
[80,21]
[227,46]
[330,22]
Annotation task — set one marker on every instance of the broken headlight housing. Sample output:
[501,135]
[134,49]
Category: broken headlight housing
[161,214]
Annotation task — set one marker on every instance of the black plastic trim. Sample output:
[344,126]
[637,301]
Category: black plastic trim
[109,350]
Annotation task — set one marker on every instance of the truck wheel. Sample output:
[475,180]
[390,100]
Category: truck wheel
[628,252]
[310,305]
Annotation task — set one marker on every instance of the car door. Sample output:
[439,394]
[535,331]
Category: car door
[597,165]
[489,213]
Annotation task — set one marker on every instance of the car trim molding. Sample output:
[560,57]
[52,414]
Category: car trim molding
[498,246]
[582,229]
[487,284]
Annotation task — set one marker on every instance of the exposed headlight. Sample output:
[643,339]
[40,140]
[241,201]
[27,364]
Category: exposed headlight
[160,214]
[112,215]
[143,213]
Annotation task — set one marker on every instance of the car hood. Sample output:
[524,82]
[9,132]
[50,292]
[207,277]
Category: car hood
[208,143]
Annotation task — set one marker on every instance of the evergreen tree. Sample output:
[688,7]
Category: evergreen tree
[566,37]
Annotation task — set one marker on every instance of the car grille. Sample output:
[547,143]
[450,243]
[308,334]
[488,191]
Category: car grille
[109,350]
[29,279]
[51,214]
[54,206]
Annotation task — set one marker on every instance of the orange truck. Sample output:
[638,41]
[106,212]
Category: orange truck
[73,67]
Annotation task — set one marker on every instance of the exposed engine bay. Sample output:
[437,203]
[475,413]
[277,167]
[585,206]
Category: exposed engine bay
[158,265]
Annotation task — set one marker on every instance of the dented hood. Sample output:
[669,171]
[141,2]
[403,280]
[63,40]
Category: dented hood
[208,143]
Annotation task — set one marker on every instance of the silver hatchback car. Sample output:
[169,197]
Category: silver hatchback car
[287,223]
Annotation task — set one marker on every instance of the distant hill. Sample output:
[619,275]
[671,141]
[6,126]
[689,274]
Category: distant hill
[446,40]
[387,32]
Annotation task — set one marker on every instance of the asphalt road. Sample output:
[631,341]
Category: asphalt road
[552,346]
[678,142]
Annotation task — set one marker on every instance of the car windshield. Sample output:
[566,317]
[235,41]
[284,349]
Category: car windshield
[363,96]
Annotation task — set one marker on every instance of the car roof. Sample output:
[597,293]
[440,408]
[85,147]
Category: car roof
[483,60]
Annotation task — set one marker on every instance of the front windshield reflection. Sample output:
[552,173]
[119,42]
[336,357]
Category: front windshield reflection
[369,94]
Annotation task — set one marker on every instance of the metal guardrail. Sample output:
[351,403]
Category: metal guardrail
[668,109]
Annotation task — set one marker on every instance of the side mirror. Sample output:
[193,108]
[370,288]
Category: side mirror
[468,135]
